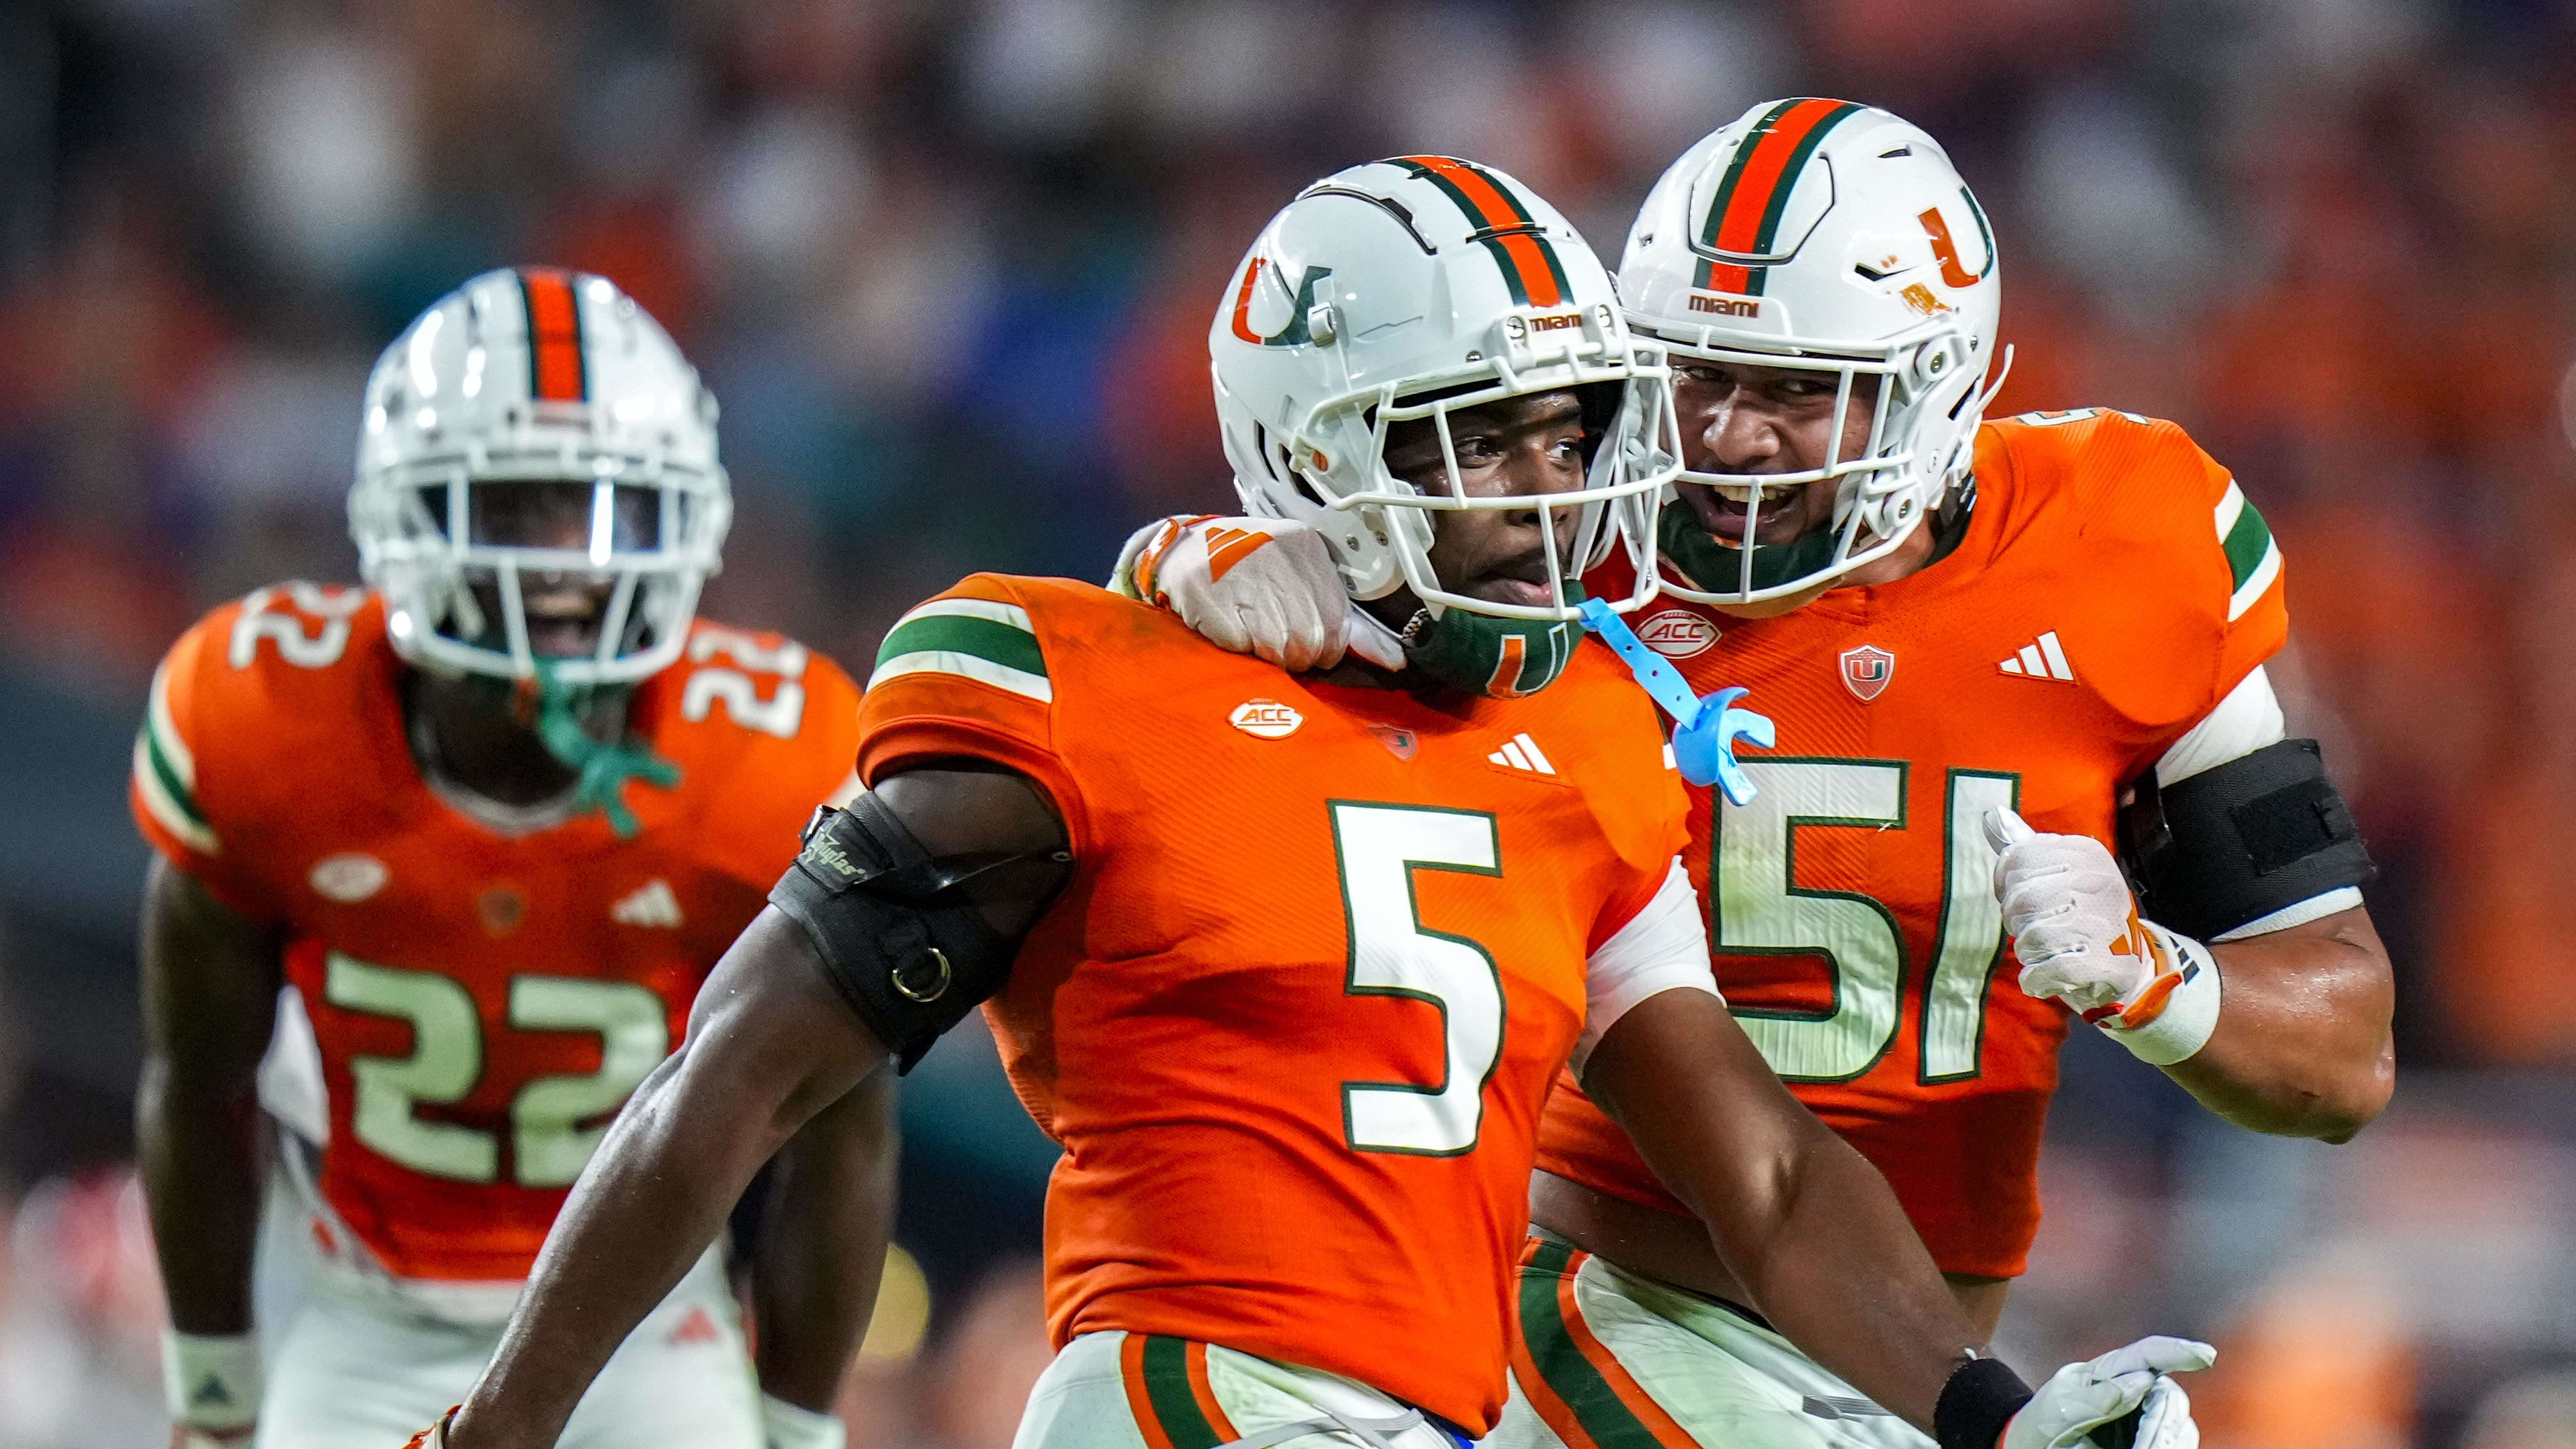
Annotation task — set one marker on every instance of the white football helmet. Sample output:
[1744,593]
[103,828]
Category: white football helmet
[1824,235]
[1412,288]
[537,376]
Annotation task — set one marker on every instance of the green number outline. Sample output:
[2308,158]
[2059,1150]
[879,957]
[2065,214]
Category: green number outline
[1941,935]
[1350,968]
[1789,852]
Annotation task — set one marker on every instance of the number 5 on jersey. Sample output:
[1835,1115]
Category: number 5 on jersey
[1379,848]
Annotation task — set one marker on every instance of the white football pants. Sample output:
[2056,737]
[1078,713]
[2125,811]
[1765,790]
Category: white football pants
[1128,1391]
[1683,1371]
[353,1368]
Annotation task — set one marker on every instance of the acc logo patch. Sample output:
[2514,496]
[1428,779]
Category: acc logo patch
[1866,670]
[1265,719]
[1678,634]
[348,878]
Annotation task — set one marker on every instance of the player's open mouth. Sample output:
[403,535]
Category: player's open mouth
[564,621]
[1721,509]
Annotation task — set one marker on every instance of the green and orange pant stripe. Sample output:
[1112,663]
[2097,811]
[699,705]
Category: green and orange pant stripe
[1573,1382]
[1168,1391]
[1744,217]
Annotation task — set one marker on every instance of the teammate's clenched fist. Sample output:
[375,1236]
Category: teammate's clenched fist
[2080,938]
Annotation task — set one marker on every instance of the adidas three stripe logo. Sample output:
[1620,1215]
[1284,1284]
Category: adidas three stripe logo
[2044,659]
[1520,752]
[651,905]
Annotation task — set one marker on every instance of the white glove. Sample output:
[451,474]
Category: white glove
[212,1385]
[793,1426]
[2080,938]
[2070,914]
[1261,586]
[2082,1397]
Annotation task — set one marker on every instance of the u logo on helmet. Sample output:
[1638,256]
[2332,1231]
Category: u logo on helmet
[1946,251]
[1294,333]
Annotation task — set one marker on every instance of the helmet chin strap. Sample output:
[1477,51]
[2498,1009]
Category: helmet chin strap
[1715,566]
[602,767]
[1489,653]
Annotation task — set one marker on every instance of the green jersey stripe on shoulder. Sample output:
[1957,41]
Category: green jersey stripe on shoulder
[168,801]
[166,768]
[2253,555]
[965,666]
[165,729]
[992,609]
[1012,647]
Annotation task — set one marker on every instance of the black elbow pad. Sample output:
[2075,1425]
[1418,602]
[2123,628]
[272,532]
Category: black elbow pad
[906,949]
[2241,840]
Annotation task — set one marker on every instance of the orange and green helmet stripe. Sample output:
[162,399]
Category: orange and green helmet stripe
[1744,216]
[558,367]
[1169,1394]
[1518,243]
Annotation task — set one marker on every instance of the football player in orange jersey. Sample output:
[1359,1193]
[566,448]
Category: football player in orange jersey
[1290,965]
[492,819]
[1963,627]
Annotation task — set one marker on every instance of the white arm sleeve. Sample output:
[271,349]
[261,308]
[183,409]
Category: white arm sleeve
[2248,719]
[1664,947]
[2245,721]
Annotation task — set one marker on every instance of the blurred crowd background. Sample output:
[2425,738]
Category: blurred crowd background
[949,268]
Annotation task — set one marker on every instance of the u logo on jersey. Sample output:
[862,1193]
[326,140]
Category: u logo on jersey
[1866,670]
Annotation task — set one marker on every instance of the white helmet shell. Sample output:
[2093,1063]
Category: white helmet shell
[1822,234]
[1412,288]
[536,375]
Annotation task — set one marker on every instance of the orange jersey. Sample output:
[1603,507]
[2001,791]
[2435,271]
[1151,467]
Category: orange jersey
[2110,588]
[484,1001]
[1322,957]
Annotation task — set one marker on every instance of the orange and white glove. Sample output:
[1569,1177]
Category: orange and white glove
[1260,586]
[2079,936]
[2125,1384]
[211,1383]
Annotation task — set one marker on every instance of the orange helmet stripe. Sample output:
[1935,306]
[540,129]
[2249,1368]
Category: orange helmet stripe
[1502,224]
[557,368]
[1744,217]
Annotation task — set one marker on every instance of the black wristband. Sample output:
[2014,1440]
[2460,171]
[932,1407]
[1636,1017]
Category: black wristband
[1980,1398]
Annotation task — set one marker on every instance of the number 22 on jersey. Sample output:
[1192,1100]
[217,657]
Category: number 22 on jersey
[1757,908]
[548,1144]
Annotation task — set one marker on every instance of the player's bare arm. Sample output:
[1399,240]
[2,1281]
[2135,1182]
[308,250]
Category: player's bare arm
[817,1264]
[772,1043]
[1808,1227]
[210,982]
[2227,944]
[1819,1243]
[767,1049]
[2304,1047]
